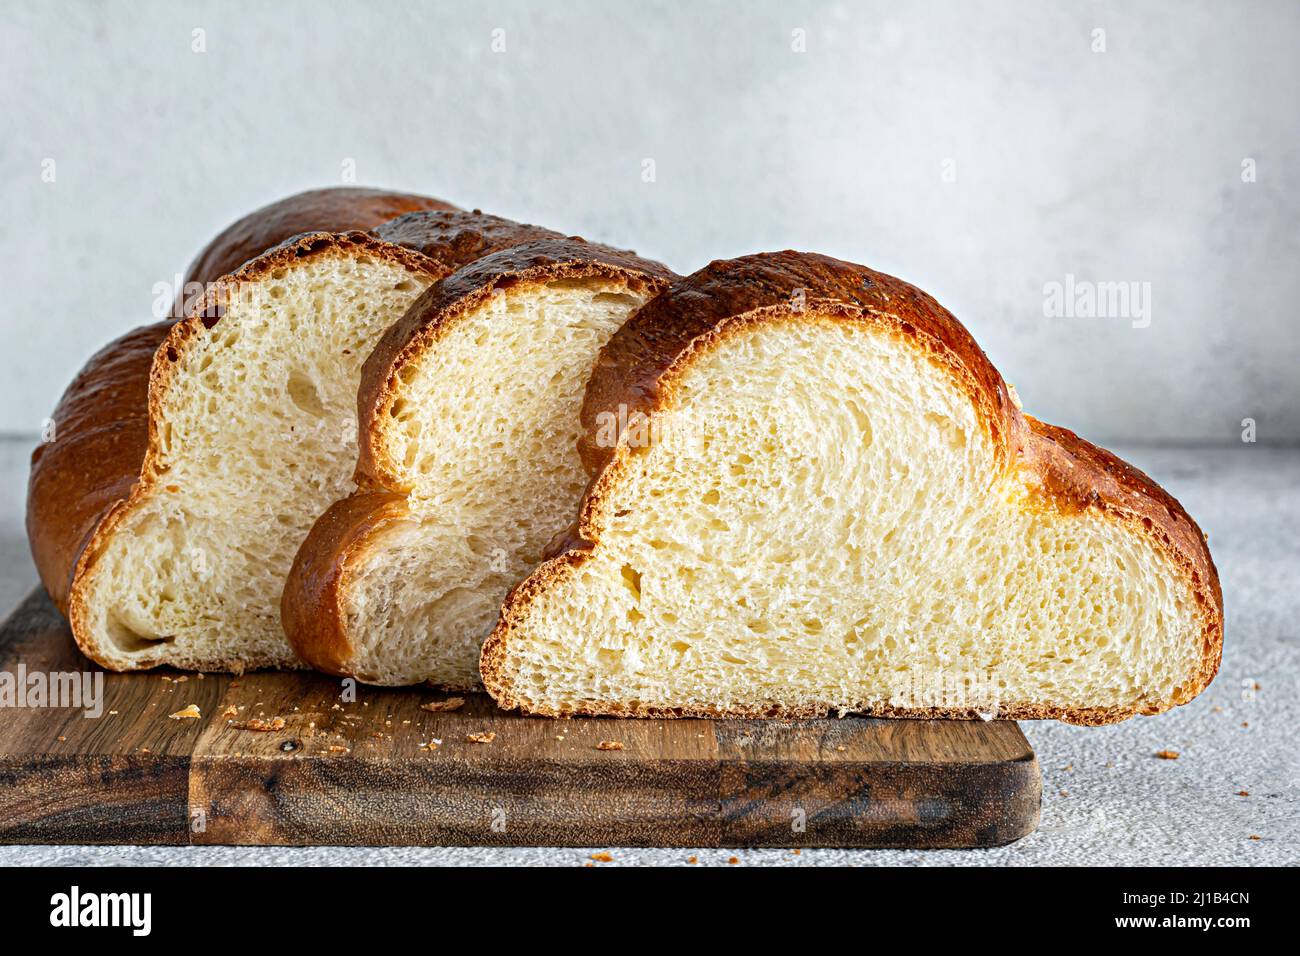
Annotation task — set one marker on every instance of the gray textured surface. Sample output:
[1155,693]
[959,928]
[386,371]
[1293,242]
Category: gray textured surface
[1114,166]
[1106,799]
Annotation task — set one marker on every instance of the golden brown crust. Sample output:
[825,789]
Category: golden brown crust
[638,372]
[83,490]
[456,238]
[101,431]
[311,609]
[335,209]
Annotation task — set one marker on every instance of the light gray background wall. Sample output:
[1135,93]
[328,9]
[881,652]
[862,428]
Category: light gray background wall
[1122,165]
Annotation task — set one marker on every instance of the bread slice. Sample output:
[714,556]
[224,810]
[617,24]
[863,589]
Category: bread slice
[813,494]
[191,474]
[102,422]
[468,463]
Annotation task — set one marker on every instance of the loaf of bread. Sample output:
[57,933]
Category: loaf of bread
[190,460]
[813,494]
[468,462]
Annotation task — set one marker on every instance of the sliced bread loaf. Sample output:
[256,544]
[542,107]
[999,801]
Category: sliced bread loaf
[468,463]
[166,512]
[813,494]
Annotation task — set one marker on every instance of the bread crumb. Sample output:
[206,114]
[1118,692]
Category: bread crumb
[1243,793]
[1167,754]
[338,749]
[602,857]
[796,851]
[181,680]
[62,739]
[733,860]
[190,712]
[444,706]
[609,745]
[1216,709]
[1245,723]
[483,738]
[1256,836]
[258,724]
[231,711]
[692,860]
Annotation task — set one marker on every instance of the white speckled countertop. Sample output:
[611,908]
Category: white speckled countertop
[1107,801]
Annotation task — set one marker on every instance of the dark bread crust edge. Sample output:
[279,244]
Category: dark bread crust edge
[332,209]
[125,472]
[311,608]
[640,368]
[455,237]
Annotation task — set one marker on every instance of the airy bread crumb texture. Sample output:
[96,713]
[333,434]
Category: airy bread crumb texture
[822,525]
[257,434]
[484,430]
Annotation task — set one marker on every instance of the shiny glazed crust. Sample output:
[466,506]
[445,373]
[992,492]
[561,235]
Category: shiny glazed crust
[640,366]
[336,209]
[456,238]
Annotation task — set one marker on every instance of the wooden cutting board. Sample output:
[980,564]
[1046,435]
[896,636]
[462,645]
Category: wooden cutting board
[363,771]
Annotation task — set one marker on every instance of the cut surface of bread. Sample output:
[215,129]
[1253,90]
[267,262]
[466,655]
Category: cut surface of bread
[101,425]
[813,494]
[251,425]
[468,463]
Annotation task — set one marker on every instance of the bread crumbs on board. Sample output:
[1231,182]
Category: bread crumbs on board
[258,724]
[443,706]
[609,745]
[186,713]
[483,738]
[602,857]
[1168,754]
